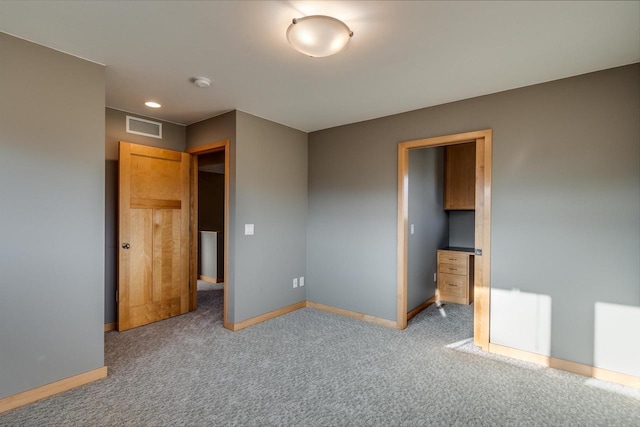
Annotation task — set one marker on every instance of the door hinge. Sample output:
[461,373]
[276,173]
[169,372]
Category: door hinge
[117,296]
[479,252]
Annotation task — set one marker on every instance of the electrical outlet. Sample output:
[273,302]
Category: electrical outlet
[302,281]
[412,228]
[295,282]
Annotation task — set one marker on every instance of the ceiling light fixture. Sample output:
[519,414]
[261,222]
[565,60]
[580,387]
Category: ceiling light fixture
[202,82]
[318,35]
[152,104]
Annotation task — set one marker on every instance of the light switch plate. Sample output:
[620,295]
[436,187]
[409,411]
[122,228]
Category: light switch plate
[249,229]
[412,228]
[295,283]
[302,281]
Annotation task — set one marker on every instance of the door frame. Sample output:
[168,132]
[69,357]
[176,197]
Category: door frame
[482,264]
[193,267]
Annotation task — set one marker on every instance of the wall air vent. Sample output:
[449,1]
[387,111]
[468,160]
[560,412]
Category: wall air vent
[144,127]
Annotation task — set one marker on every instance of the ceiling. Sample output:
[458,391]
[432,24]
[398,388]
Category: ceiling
[403,55]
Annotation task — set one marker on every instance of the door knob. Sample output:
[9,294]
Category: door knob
[126,246]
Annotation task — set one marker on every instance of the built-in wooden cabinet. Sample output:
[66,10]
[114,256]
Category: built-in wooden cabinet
[455,276]
[460,177]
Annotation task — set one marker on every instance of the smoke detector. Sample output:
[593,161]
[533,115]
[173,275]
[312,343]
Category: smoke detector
[202,82]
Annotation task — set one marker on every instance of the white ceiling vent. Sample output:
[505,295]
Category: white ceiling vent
[144,127]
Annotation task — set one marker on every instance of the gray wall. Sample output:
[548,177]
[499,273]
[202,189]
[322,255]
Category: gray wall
[566,201]
[268,180]
[351,229]
[462,229]
[210,201]
[110,241]
[430,221]
[173,138]
[271,192]
[52,210]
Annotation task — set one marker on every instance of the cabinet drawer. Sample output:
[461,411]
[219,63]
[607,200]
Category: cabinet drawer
[452,269]
[445,257]
[452,284]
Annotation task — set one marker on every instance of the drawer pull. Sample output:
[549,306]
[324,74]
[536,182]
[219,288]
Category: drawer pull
[451,284]
[452,259]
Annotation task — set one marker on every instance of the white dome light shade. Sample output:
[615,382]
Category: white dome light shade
[318,35]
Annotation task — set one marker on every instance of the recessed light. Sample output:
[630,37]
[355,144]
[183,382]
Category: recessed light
[152,104]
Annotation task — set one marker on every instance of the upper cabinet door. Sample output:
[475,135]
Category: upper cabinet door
[460,177]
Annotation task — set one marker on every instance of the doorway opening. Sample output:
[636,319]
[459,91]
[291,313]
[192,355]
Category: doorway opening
[481,261]
[209,252]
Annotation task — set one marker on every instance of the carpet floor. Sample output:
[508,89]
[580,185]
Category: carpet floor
[311,368]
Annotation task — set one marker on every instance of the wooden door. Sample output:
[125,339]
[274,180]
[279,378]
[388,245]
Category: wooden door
[154,246]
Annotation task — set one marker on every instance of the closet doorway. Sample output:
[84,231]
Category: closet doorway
[482,264]
[209,166]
